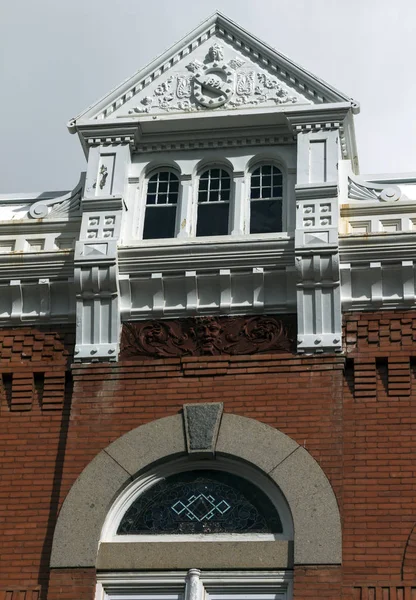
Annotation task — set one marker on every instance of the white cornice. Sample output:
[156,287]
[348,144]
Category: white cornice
[377,247]
[29,266]
[368,209]
[205,255]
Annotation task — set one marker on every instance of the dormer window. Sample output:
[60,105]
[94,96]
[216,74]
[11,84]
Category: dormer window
[213,203]
[161,202]
[266,199]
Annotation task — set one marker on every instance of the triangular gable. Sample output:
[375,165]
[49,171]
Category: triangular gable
[217,66]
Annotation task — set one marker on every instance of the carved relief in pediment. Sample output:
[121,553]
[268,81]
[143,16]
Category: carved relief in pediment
[214,83]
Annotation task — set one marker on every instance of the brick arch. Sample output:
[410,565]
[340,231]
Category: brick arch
[308,493]
[409,557]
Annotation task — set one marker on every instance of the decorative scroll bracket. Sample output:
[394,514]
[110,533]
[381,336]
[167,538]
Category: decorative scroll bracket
[60,205]
[366,191]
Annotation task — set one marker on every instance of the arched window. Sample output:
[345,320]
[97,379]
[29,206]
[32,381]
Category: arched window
[201,501]
[266,199]
[161,202]
[213,203]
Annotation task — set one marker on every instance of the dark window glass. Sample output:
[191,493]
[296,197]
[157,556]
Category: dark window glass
[266,194]
[201,502]
[212,219]
[213,203]
[161,201]
[266,216]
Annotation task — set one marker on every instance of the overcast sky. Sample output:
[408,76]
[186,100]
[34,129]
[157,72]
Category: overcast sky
[60,56]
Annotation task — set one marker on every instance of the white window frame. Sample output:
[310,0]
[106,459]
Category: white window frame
[141,484]
[209,585]
[195,195]
[238,216]
[253,167]
[143,203]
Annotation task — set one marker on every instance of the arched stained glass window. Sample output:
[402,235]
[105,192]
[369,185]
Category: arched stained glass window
[203,501]
[266,195]
[161,202]
[213,203]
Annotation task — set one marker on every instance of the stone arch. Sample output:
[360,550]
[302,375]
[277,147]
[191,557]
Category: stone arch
[315,514]
[409,557]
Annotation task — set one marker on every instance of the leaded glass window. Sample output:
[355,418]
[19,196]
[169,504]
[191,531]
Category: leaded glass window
[266,197]
[161,202]
[203,501]
[213,202]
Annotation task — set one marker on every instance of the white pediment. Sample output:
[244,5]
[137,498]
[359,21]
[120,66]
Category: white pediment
[218,66]
[215,76]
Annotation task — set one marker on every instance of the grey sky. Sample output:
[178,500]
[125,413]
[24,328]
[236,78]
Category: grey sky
[60,56]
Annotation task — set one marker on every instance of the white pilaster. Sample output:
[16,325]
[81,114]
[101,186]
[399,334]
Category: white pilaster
[96,266]
[316,238]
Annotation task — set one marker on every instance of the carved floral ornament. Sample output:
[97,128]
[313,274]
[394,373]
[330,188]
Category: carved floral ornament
[207,336]
[214,83]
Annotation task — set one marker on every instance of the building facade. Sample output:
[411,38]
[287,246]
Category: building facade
[208,347]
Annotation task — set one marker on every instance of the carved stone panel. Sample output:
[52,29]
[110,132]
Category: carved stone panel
[208,336]
[215,78]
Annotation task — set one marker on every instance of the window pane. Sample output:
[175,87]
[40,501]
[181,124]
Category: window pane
[225,195]
[212,219]
[203,184]
[266,216]
[162,198]
[277,177]
[266,182]
[217,183]
[159,222]
[201,501]
[255,192]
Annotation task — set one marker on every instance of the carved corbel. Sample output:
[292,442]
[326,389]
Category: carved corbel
[318,302]
[97,307]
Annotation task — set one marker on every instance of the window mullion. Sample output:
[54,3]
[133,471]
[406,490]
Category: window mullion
[238,205]
[184,216]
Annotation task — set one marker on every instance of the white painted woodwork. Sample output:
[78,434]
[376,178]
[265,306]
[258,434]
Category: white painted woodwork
[217,99]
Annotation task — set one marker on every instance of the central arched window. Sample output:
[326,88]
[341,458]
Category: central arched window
[201,501]
[266,199]
[161,203]
[214,192]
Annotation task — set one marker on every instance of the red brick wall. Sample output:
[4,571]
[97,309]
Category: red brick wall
[354,413]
